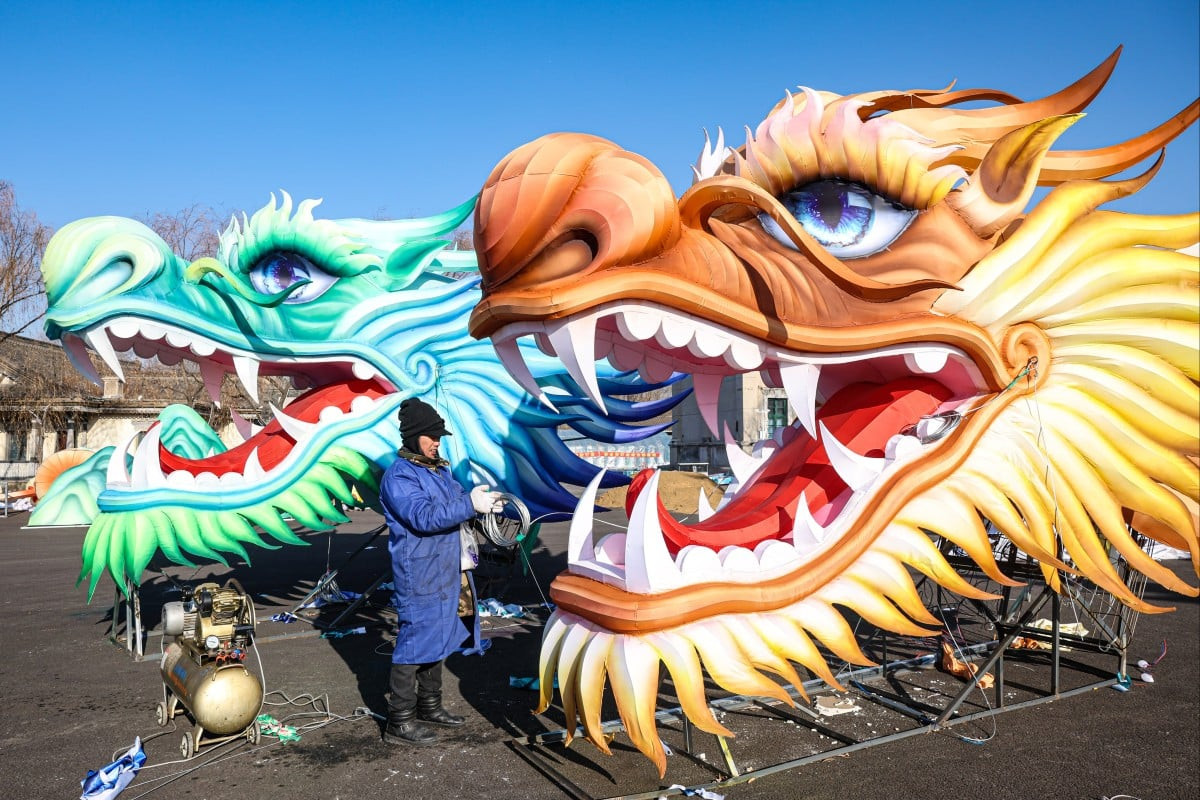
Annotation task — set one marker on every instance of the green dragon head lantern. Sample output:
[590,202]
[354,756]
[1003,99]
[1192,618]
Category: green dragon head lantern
[359,315]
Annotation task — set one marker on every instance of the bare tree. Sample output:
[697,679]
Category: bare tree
[22,240]
[191,232]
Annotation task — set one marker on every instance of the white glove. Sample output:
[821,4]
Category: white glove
[486,501]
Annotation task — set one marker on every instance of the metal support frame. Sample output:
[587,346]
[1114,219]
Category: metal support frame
[327,580]
[130,603]
[1010,621]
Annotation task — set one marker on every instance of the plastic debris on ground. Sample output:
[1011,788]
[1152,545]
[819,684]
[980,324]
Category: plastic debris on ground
[285,617]
[491,607]
[830,706]
[269,726]
[527,683]
[109,781]
[332,598]
[702,793]
[338,634]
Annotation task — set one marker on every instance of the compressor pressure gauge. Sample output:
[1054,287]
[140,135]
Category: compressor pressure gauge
[212,642]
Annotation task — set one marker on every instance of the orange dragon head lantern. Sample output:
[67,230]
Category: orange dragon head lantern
[953,358]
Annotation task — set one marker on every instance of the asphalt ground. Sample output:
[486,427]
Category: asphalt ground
[73,700]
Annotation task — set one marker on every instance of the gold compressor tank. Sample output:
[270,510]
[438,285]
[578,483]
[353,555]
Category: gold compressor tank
[204,669]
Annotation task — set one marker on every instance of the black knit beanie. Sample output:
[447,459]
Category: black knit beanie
[418,418]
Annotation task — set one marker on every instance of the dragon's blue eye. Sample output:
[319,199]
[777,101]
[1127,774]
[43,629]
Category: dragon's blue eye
[848,220]
[278,270]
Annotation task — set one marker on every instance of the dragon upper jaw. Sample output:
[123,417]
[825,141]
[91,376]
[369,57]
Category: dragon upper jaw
[349,392]
[862,418]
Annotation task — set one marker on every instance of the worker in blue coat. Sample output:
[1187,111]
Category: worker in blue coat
[424,506]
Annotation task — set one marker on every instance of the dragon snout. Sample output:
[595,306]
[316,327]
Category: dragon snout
[566,203]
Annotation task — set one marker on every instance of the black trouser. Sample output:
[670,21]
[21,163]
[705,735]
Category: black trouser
[410,681]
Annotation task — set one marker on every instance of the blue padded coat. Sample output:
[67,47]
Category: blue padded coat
[423,507]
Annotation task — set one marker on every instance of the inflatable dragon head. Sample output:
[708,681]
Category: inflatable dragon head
[359,315]
[952,358]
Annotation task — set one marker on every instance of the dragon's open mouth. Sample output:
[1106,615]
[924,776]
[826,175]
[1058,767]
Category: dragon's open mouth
[339,389]
[860,418]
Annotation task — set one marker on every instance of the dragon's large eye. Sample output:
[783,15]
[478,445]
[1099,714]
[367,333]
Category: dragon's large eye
[848,220]
[281,269]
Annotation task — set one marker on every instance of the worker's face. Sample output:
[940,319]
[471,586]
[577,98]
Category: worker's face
[429,446]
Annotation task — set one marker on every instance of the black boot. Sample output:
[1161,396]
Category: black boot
[403,728]
[429,709]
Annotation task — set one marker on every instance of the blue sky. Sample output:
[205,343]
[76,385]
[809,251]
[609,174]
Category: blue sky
[402,109]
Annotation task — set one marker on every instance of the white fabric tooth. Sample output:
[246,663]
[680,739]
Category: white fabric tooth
[698,564]
[181,479]
[296,428]
[363,371]
[202,347]
[742,464]
[926,361]
[675,331]
[708,342]
[207,481]
[253,470]
[744,355]
[649,567]
[738,564]
[118,471]
[147,469]
[706,387]
[231,480]
[655,369]
[510,356]
[775,556]
[151,331]
[544,344]
[703,509]
[247,372]
[624,357]
[330,413]
[361,404]
[611,550]
[764,449]
[213,375]
[807,533]
[800,383]
[637,326]
[98,339]
[79,357]
[575,342]
[124,328]
[178,339]
[858,471]
[902,448]
[241,424]
[579,539]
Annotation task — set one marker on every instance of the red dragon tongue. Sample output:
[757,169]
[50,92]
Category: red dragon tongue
[862,417]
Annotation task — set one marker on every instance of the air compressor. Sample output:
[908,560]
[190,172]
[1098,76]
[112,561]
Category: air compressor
[203,669]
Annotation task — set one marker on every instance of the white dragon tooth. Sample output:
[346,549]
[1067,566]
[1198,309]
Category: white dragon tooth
[510,356]
[698,564]
[806,532]
[625,358]
[774,555]
[181,479]
[655,369]
[213,376]
[742,464]
[151,331]
[147,469]
[247,372]
[207,482]
[649,567]
[574,341]
[703,509]
[543,343]
[926,361]
[202,347]
[611,550]
[231,480]
[706,387]
[241,424]
[901,448]
[178,339]
[118,470]
[708,342]
[253,471]
[858,471]
[330,413]
[764,448]
[361,404]
[79,357]
[579,539]
[675,331]
[744,355]
[738,563]
[637,326]
[98,339]
[296,428]
[124,328]
[800,383]
[363,371]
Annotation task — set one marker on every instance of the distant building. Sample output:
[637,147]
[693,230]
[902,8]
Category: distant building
[753,411]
